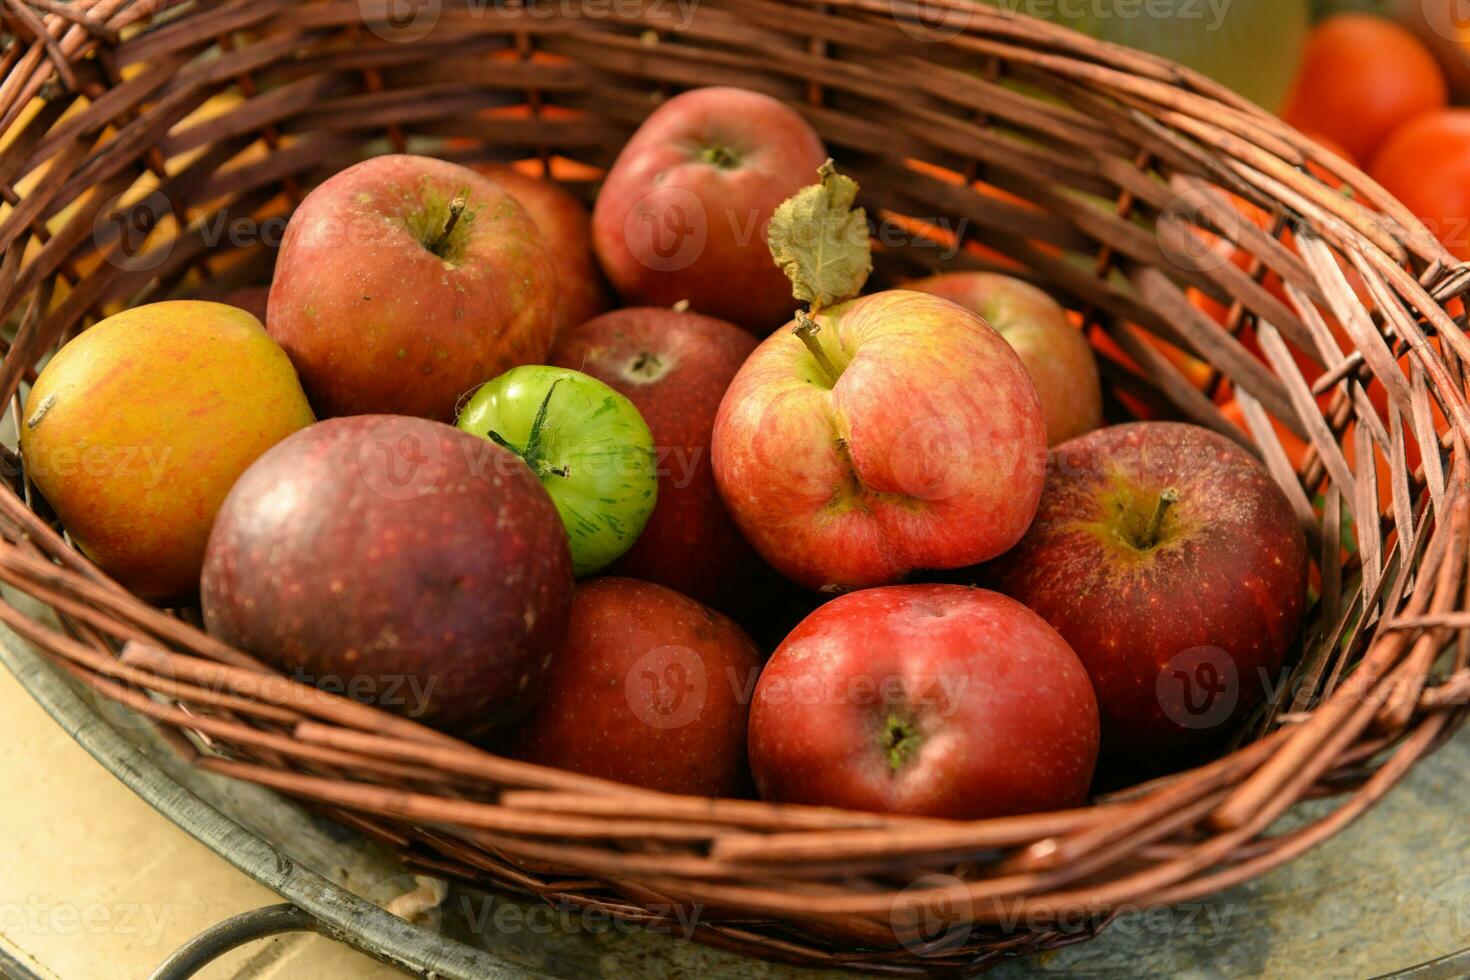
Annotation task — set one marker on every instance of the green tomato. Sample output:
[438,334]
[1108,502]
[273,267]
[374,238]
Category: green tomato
[588,445]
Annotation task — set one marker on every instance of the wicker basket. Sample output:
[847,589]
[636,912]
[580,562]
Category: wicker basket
[1138,192]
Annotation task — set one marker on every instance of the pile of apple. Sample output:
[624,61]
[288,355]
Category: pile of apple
[559,574]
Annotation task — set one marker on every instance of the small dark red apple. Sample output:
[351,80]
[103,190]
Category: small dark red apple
[650,688]
[674,367]
[937,700]
[398,561]
[1175,567]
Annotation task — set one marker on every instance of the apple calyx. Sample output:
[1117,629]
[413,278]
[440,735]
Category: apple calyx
[440,245]
[900,741]
[531,453]
[719,156]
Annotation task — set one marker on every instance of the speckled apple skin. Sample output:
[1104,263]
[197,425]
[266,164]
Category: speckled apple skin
[1005,715]
[336,556]
[928,453]
[660,188]
[614,709]
[1057,354]
[375,322]
[1235,578]
[566,231]
[674,367]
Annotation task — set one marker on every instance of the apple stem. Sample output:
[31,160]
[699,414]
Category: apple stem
[806,329]
[441,243]
[1156,522]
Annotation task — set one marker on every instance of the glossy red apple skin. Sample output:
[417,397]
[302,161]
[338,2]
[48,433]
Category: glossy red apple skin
[672,224]
[674,367]
[1225,585]
[651,688]
[375,322]
[928,452]
[566,232]
[1000,707]
[1057,354]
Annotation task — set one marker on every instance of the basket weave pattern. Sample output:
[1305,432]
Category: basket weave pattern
[1096,171]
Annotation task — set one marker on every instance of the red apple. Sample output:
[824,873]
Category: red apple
[404,282]
[1175,567]
[566,231]
[650,688]
[1057,355]
[251,299]
[909,436]
[395,560]
[674,367]
[683,212]
[936,700]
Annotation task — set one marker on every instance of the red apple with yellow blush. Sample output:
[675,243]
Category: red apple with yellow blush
[877,436]
[404,282]
[1056,354]
[1173,564]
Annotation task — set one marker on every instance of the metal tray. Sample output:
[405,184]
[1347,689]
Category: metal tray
[1387,893]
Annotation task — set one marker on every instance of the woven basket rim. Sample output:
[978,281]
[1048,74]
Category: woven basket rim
[787,866]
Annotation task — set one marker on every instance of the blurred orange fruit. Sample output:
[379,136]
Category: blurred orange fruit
[1426,165]
[1361,77]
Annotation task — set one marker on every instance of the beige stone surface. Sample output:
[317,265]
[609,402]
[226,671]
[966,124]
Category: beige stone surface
[97,885]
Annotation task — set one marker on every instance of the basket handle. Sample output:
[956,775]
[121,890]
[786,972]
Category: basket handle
[219,939]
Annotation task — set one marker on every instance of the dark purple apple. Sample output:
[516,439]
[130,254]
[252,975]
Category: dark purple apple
[396,560]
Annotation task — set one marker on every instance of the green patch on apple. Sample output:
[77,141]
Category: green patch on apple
[586,443]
